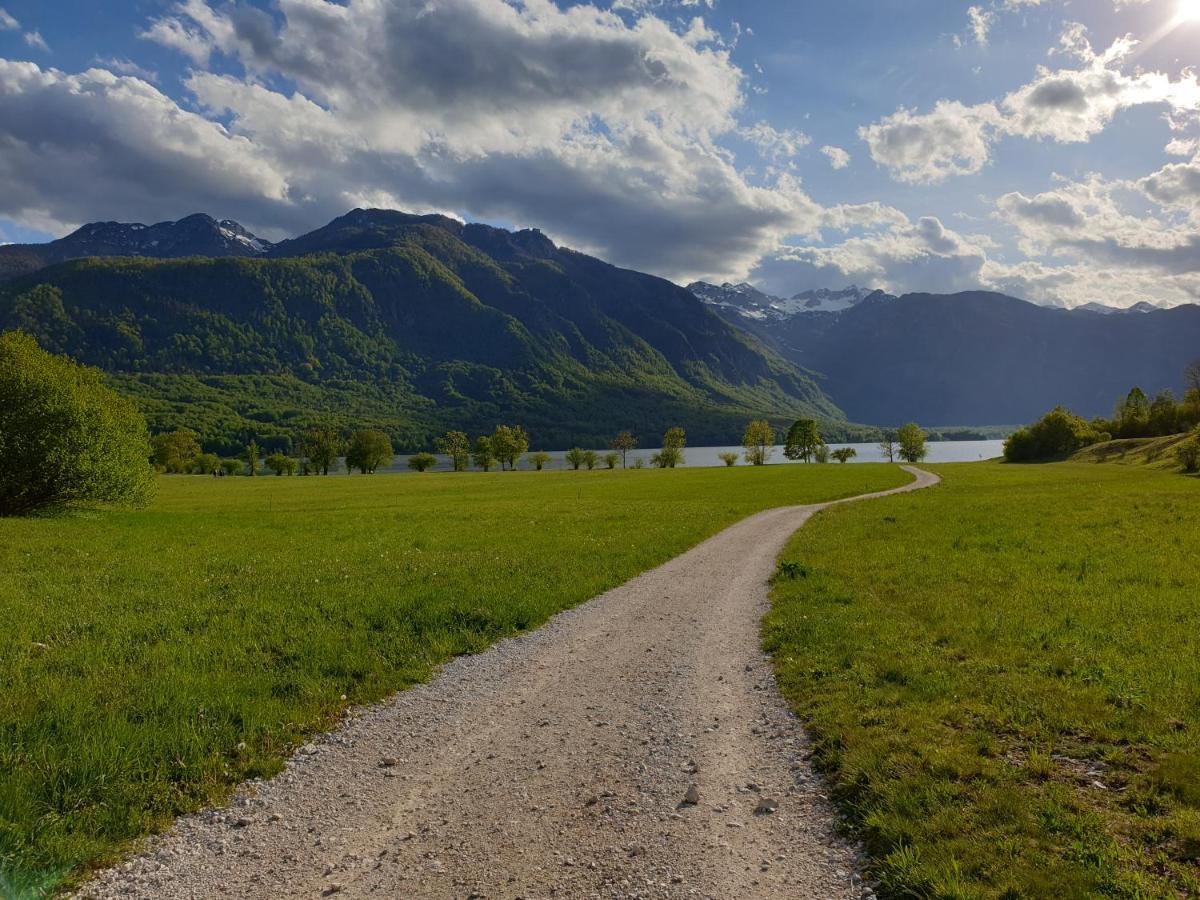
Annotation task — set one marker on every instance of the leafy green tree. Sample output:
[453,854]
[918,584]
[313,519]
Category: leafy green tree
[175,451]
[65,437]
[844,454]
[1191,376]
[422,462]
[730,459]
[368,450]
[457,446]
[759,441]
[623,443]
[1188,453]
[250,458]
[320,449]
[821,454]
[206,464]
[509,444]
[611,459]
[483,455]
[671,454]
[576,457]
[1056,435]
[590,458]
[887,446]
[803,439]
[539,460]
[281,464]
[1164,415]
[1133,415]
[231,466]
[912,438]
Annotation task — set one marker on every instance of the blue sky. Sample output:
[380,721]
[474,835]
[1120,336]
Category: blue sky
[1044,148]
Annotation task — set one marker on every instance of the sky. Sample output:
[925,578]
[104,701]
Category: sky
[1048,149]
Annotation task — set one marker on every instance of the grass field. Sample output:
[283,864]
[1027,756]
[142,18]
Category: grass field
[154,658]
[1157,452]
[1002,676]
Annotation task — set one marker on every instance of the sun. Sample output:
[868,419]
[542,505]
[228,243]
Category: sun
[1188,11]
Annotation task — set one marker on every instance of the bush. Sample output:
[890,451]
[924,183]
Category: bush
[368,450]
[231,466]
[730,459]
[844,454]
[1188,453]
[281,464]
[590,458]
[821,453]
[611,460]
[539,460]
[1057,434]
[65,437]
[422,462]
[175,452]
[575,457]
[206,464]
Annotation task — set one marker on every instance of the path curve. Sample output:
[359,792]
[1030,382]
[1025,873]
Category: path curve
[552,765]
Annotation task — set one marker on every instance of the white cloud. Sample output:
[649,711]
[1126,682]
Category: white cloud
[953,139]
[127,67]
[779,146]
[838,158]
[7,22]
[35,40]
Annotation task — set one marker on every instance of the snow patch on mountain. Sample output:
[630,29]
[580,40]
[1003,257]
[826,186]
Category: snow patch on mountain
[750,302]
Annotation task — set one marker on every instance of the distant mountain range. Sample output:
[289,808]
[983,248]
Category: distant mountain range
[412,323]
[746,301]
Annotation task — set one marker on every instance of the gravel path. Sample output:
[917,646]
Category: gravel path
[557,764]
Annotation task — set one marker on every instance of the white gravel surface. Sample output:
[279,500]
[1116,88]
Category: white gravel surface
[633,747]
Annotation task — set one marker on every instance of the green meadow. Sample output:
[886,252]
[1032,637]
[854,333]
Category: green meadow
[154,658]
[1002,678]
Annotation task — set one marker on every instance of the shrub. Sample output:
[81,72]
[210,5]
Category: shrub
[231,466]
[65,437]
[281,464]
[1057,434]
[759,441]
[671,454]
[590,458]
[1188,453]
[175,452]
[539,460]
[422,462]
[730,459]
[206,464]
[821,453]
[575,457]
[611,459]
[844,454]
[368,450]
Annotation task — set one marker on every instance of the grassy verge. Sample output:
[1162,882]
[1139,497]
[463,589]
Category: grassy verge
[1002,675]
[152,659]
[1157,453]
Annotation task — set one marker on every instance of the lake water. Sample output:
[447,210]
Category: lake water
[701,457]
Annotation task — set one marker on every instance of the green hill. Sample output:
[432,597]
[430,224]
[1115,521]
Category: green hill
[1155,452]
[414,324]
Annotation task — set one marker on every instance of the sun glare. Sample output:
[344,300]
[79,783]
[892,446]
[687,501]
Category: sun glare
[1188,11]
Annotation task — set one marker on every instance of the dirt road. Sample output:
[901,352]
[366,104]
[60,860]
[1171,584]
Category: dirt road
[557,764]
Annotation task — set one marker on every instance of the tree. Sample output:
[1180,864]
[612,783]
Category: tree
[623,443]
[509,444]
[1191,376]
[281,464]
[611,459]
[590,458]
[1055,435]
[457,446]
[206,464]
[231,466]
[887,446]
[821,454]
[1133,415]
[1188,453]
[803,439]
[175,451]
[250,457]
[539,460]
[1164,415]
[844,454]
[65,437]
[368,450]
[912,442]
[576,457]
[671,454]
[422,462]
[483,455]
[759,441]
[320,449]
[730,459]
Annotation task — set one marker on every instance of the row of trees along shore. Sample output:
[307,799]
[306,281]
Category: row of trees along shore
[1061,432]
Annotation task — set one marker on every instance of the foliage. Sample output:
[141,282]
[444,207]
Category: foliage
[368,585]
[611,459]
[457,446]
[319,450]
[575,457]
[759,441]
[1188,453]
[1056,435]
[65,438]
[422,462]
[887,446]
[206,464]
[590,458]
[539,460]
[844,454]
[250,458]
[175,452]
[821,454]
[623,443]
[482,455]
[803,439]
[671,454]
[281,464]
[509,444]
[911,439]
[231,466]
[1001,678]
[730,459]
[368,450]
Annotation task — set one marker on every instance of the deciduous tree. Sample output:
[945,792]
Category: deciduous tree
[803,439]
[844,454]
[483,455]
[509,444]
[575,457]
[730,459]
[250,458]
[281,464]
[175,451]
[887,446]
[911,438]
[671,454]
[422,462]
[623,443]
[539,460]
[368,450]
[457,446]
[759,441]
[320,449]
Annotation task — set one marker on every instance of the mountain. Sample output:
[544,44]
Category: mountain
[745,301]
[412,323]
[981,358]
[1104,310]
[196,235]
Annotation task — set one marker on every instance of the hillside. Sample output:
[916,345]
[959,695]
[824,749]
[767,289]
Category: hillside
[411,323]
[980,358]
[1155,452]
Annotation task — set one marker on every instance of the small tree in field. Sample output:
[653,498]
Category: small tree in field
[483,455]
[911,438]
[759,441]
[320,448]
[575,457]
[281,464]
[844,454]
[250,458]
[457,446]
[887,446]
[611,459]
[206,464]
[175,452]
[730,459]
[509,444]
[671,454]
[821,454]
[623,443]
[422,462]
[590,458]
[539,460]
[65,437]
[368,450]
[803,439]
[231,466]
